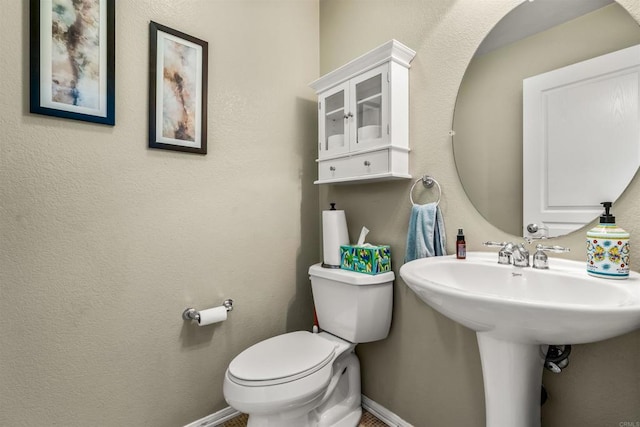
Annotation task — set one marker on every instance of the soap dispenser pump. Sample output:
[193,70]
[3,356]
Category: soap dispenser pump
[608,249]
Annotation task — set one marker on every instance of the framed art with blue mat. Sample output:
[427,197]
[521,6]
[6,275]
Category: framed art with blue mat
[72,59]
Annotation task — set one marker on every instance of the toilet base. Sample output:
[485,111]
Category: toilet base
[340,405]
[343,407]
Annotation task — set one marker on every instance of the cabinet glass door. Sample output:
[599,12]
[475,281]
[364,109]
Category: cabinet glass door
[334,122]
[370,124]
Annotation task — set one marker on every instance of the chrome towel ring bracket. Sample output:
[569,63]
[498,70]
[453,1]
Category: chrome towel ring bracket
[428,182]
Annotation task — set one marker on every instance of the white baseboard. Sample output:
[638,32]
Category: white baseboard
[215,419]
[382,413]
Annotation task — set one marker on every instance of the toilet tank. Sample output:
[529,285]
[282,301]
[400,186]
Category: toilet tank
[353,306]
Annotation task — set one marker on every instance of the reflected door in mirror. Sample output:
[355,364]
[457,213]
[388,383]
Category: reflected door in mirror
[581,140]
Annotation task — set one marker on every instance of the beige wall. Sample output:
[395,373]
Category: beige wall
[428,370]
[104,242]
[488,113]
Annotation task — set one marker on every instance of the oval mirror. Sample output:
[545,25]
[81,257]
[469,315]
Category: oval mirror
[546,124]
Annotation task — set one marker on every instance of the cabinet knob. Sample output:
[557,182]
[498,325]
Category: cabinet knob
[332,168]
[367,163]
[349,114]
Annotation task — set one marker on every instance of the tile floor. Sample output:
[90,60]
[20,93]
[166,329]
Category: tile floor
[367,420]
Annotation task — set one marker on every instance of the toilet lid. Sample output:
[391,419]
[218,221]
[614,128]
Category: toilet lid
[282,358]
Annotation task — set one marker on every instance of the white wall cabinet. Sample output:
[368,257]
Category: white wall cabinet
[363,117]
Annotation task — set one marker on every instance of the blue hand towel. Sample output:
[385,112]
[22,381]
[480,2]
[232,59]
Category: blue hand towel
[425,236]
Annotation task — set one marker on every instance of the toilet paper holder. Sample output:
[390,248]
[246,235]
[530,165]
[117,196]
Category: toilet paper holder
[193,314]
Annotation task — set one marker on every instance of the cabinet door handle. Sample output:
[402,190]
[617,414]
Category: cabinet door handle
[367,163]
[349,114]
[332,168]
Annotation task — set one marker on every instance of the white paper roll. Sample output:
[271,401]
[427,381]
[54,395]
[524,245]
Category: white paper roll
[334,234]
[335,141]
[212,315]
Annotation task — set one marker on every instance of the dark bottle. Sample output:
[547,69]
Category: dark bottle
[461,246]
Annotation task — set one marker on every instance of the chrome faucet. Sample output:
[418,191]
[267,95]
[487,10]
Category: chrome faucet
[518,255]
[510,253]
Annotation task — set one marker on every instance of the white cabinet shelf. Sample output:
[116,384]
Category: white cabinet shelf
[370,100]
[363,114]
[336,111]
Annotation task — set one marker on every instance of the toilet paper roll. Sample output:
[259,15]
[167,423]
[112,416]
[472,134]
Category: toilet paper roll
[335,141]
[334,234]
[212,315]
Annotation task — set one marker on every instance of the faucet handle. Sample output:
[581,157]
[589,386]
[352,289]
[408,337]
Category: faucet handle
[494,244]
[505,252]
[540,259]
[556,249]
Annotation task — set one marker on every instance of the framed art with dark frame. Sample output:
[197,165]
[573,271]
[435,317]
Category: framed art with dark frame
[72,59]
[177,90]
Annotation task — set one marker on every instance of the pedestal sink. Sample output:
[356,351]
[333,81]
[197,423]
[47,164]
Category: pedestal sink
[515,310]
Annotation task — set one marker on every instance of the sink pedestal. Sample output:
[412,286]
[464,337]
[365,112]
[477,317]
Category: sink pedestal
[512,374]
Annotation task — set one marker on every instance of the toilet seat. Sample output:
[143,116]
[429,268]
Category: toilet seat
[281,359]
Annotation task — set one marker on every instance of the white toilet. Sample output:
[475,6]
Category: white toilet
[304,379]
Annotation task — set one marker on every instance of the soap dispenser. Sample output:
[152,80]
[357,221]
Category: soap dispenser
[608,250]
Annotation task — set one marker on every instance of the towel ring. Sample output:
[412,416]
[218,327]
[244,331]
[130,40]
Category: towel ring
[428,182]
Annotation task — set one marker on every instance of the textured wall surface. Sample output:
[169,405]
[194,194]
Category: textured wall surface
[428,370]
[104,242]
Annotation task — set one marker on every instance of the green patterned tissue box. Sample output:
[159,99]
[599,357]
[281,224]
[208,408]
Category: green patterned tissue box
[366,259]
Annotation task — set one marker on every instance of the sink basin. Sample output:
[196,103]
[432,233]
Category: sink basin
[562,305]
[515,311]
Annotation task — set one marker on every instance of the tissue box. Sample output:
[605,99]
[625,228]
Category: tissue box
[366,259]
